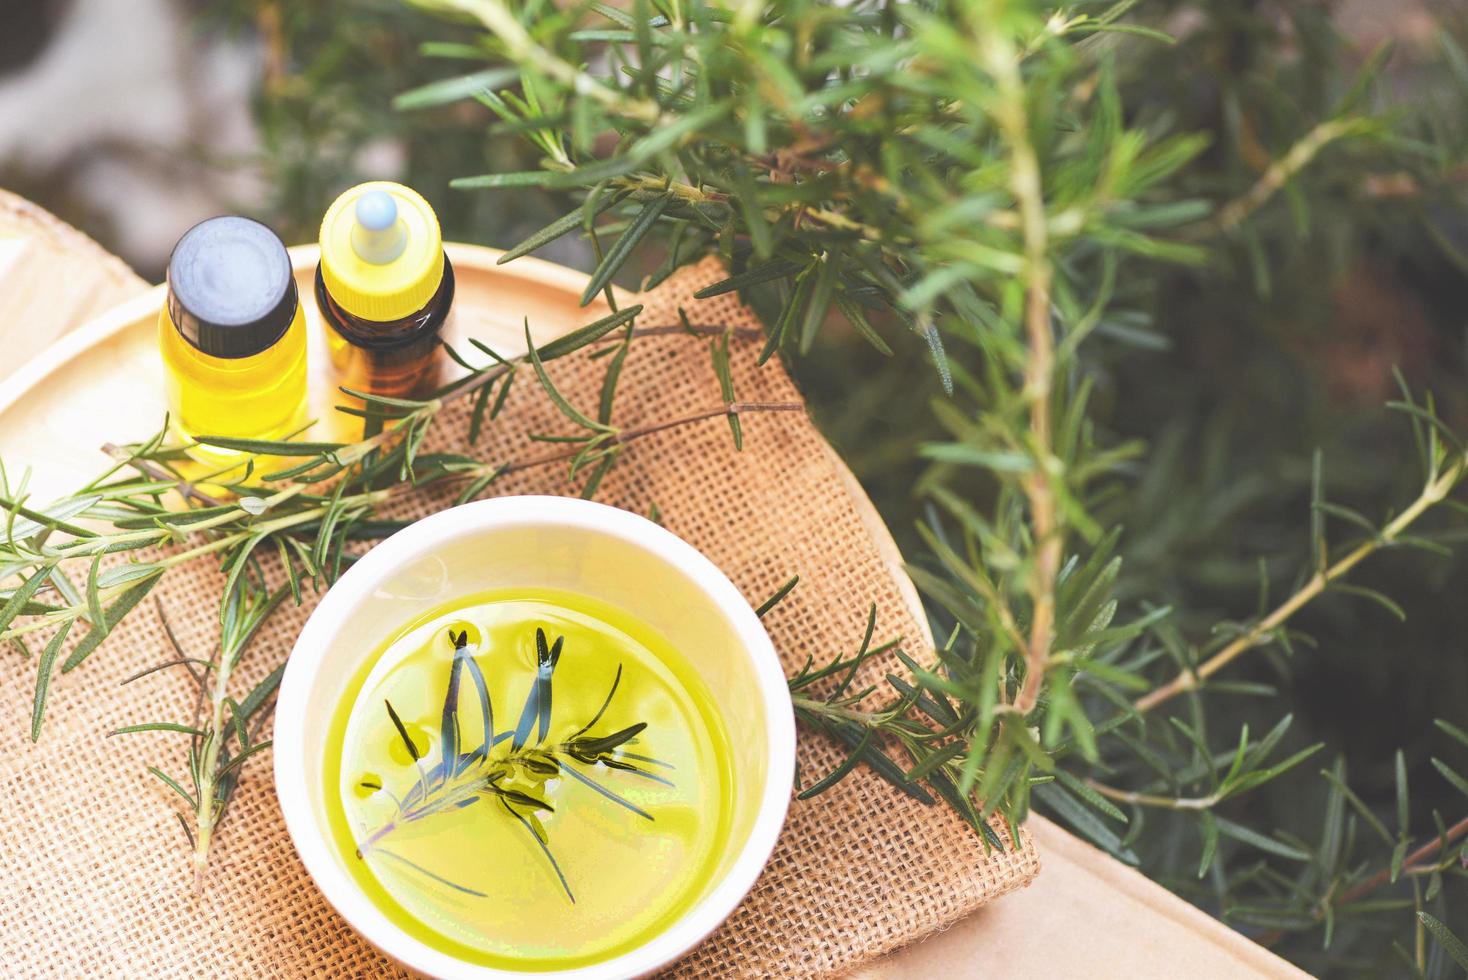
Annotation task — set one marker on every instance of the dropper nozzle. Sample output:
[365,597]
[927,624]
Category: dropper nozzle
[378,236]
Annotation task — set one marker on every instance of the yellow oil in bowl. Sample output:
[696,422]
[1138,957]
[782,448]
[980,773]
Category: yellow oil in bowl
[529,780]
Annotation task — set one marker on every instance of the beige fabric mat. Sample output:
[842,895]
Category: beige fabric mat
[94,875]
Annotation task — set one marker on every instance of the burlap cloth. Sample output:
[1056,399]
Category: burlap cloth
[94,878]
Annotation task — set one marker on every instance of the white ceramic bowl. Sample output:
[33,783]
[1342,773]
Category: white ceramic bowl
[550,542]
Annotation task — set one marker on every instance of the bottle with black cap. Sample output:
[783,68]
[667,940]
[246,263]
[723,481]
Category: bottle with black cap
[232,335]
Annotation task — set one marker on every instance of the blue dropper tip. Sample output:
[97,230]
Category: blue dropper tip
[378,237]
[377,211]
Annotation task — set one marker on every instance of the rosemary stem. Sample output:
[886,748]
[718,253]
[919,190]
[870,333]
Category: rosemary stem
[699,329]
[1154,800]
[678,188]
[149,468]
[631,435]
[376,836]
[1412,864]
[208,769]
[728,408]
[1028,189]
[841,712]
[1435,491]
[108,543]
[1279,173]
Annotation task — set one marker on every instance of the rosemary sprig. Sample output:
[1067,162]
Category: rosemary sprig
[223,733]
[461,776]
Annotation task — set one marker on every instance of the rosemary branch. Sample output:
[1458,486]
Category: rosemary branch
[1281,171]
[1433,493]
[1412,864]
[522,47]
[249,610]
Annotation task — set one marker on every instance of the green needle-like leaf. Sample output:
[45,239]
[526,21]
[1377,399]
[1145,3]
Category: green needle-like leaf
[43,679]
[1445,937]
[402,732]
[621,251]
[113,615]
[577,339]
[567,409]
[557,228]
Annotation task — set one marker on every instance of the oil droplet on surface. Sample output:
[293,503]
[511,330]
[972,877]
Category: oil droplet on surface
[398,752]
[365,787]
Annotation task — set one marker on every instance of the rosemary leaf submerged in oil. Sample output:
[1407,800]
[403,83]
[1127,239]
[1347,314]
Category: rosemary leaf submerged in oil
[511,780]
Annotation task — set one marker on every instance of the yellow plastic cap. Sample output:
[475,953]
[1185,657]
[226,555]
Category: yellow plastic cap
[381,251]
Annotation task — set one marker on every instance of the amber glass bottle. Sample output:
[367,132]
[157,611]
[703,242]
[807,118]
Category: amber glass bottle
[384,288]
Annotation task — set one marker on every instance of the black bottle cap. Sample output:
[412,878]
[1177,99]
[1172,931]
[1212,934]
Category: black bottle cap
[230,288]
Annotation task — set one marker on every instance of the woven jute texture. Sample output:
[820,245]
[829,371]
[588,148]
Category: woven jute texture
[95,879]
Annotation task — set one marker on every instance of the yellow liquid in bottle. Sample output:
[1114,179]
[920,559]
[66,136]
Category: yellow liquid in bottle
[262,396]
[470,878]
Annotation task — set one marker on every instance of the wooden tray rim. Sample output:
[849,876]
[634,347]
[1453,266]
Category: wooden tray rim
[62,351]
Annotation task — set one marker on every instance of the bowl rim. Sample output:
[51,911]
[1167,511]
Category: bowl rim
[293,709]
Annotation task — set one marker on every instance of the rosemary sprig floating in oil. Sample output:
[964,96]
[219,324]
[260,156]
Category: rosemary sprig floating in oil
[511,780]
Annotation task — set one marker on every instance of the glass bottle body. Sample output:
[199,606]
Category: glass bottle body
[261,396]
[394,358]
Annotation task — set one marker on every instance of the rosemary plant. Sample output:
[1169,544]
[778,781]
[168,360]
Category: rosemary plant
[967,174]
